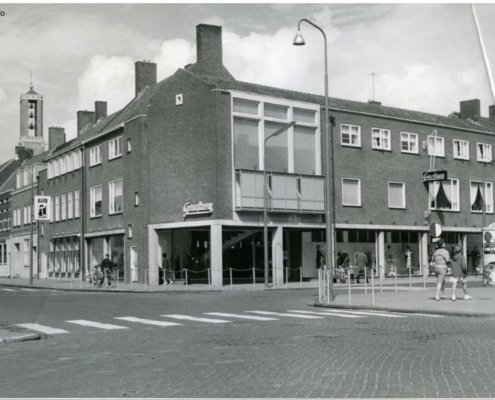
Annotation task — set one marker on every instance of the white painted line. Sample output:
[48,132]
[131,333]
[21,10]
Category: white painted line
[94,324]
[285,314]
[189,318]
[43,329]
[147,321]
[9,290]
[327,314]
[241,316]
[366,313]
[412,314]
[29,290]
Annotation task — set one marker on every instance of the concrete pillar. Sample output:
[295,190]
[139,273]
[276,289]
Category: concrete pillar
[216,256]
[423,253]
[278,256]
[464,245]
[153,257]
[380,255]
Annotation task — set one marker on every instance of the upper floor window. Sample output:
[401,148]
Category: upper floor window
[396,195]
[95,199]
[76,204]
[350,135]
[94,156]
[484,152]
[68,163]
[461,149]
[481,194]
[61,166]
[116,199]
[57,208]
[380,139]
[444,195]
[129,145]
[294,149]
[351,192]
[70,206]
[115,148]
[436,146]
[409,142]
[63,211]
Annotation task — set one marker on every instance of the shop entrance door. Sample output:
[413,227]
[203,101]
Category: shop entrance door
[134,265]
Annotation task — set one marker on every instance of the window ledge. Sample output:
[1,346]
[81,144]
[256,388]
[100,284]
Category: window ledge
[115,157]
[116,213]
[358,146]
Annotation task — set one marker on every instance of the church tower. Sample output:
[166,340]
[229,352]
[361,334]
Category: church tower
[32,121]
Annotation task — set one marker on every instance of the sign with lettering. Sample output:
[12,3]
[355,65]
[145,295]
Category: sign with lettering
[197,209]
[42,207]
[432,176]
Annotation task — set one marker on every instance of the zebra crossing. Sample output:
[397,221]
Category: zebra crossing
[170,320]
[4,289]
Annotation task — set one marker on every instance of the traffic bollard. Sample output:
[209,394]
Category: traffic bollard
[300,276]
[254,278]
[209,279]
[230,272]
[410,277]
[365,280]
[349,284]
[395,278]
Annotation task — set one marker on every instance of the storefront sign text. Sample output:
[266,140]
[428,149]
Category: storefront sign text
[198,208]
[432,176]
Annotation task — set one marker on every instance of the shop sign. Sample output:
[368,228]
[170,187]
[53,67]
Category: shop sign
[435,230]
[432,176]
[42,207]
[489,242]
[197,209]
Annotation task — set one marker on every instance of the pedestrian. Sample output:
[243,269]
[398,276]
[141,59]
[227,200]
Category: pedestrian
[408,255]
[166,269]
[459,272]
[475,258]
[319,257]
[360,261]
[439,261]
[389,260]
[106,268]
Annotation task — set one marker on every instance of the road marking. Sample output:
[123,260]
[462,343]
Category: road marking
[189,318]
[43,329]
[9,290]
[94,324]
[365,313]
[148,321]
[252,317]
[29,290]
[285,314]
[412,314]
[327,314]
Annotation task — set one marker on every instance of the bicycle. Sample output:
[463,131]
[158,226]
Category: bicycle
[97,278]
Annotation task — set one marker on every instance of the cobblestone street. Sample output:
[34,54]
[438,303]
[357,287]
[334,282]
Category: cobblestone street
[264,348]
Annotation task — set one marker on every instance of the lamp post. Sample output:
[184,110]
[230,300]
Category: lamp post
[265,199]
[329,181]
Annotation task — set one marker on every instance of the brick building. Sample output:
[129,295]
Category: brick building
[179,170]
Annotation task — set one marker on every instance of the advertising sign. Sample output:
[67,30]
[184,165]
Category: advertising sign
[198,208]
[435,230]
[42,207]
[432,176]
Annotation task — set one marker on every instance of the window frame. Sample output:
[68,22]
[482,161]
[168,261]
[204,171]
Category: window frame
[403,207]
[409,134]
[115,148]
[458,198]
[92,201]
[111,196]
[471,200]
[95,155]
[434,148]
[358,188]
[478,153]
[461,143]
[358,135]
[379,133]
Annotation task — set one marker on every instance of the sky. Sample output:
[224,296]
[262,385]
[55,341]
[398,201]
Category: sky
[424,57]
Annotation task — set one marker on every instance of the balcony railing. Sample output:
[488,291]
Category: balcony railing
[286,192]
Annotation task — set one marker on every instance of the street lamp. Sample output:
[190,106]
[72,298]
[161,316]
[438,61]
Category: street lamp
[329,181]
[265,198]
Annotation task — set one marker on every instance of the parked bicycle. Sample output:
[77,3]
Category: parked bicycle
[100,278]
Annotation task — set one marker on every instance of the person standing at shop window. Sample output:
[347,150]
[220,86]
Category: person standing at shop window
[408,255]
[166,269]
[106,268]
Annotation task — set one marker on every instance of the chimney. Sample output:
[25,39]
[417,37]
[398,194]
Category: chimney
[491,112]
[145,75]
[470,109]
[84,118]
[100,110]
[56,137]
[209,45]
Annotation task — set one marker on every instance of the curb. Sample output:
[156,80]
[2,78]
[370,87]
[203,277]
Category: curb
[21,338]
[407,311]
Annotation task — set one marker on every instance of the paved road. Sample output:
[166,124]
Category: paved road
[242,344]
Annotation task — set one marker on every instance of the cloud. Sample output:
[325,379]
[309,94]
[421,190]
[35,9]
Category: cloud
[3,96]
[174,54]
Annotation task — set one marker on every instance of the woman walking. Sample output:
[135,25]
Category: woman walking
[459,272]
[440,259]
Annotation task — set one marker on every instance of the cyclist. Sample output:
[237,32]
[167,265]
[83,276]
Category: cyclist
[106,267]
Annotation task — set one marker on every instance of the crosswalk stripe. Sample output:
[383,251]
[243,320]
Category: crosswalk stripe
[285,314]
[148,321]
[9,290]
[43,329]
[29,290]
[94,324]
[252,317]
[189,318]
[327,314]
[365,313]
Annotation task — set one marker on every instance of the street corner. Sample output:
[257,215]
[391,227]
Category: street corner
[9,334]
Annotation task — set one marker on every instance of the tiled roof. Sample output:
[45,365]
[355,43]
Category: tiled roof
[347,105]
[9,184]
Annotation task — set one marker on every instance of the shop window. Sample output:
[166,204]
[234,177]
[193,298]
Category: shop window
[395,236]
[339,236]
[352,236]
[363,236]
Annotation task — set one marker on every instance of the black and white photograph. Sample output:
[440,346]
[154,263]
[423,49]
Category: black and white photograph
[247,200]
